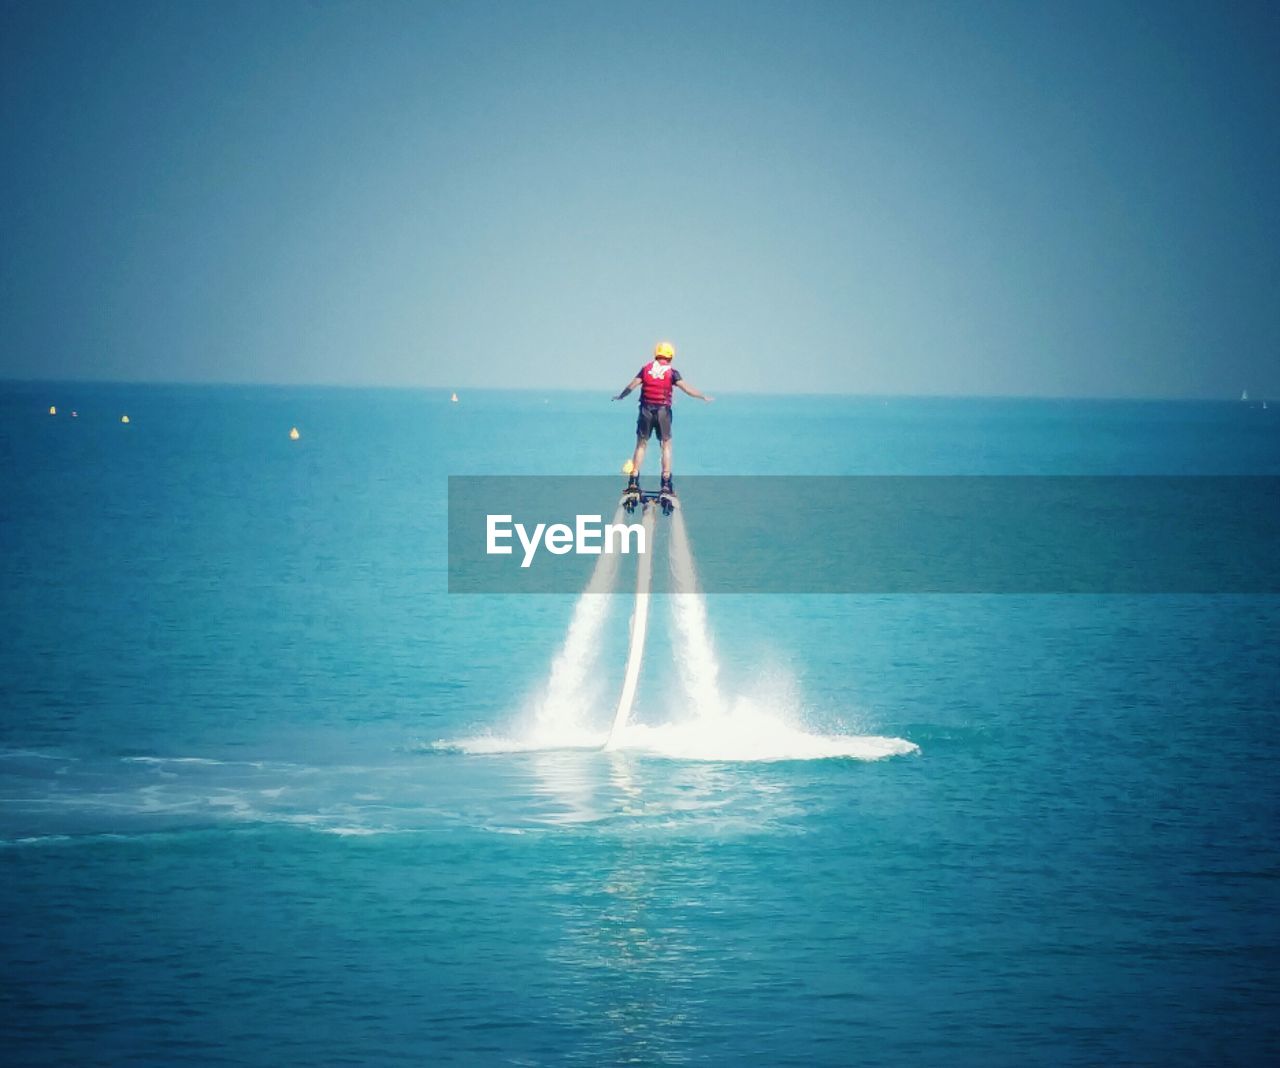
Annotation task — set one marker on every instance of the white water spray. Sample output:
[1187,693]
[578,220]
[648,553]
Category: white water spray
[639,624]
[569,695]
[699,668]
[747,727]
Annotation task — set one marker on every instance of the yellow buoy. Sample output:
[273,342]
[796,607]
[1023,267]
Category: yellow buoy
[294,435]
[53,409]
[124,419]
[628,467]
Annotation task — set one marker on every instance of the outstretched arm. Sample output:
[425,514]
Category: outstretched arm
[682,384]
[630,386]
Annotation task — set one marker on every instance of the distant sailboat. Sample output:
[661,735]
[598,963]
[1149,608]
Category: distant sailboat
[453,397]
[1244,395]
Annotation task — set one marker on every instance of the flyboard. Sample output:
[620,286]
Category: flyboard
[649,504]
[632,499]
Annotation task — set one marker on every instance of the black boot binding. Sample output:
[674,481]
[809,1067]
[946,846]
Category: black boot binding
[666,495]
[631,495]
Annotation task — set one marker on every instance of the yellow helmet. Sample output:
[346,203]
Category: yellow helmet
[664,350]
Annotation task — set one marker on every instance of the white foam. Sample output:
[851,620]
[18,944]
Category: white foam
[699,668]
[32,754]
[572,688]
[170,760]
[534,740]
[639,624]
[37,839]
[744,737]
[746,732]
[199,761]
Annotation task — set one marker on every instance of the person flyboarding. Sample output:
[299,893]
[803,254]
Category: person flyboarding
[656,379]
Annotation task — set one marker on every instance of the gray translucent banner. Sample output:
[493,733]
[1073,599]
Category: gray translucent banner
[891,534]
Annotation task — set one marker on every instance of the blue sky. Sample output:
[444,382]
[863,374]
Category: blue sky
[966,198]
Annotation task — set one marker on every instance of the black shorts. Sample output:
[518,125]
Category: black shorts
[653,417]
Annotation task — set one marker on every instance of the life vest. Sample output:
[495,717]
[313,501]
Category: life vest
[656,381]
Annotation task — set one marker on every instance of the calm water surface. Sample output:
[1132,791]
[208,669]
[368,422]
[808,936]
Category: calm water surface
[228,834]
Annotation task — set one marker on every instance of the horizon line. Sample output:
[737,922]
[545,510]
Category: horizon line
[418,388]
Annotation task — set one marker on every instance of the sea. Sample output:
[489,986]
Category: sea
[270,794]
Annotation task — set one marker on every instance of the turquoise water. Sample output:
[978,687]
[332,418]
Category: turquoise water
[268,795]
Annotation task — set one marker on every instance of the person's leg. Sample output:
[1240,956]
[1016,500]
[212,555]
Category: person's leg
[645,423]
[664,436]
